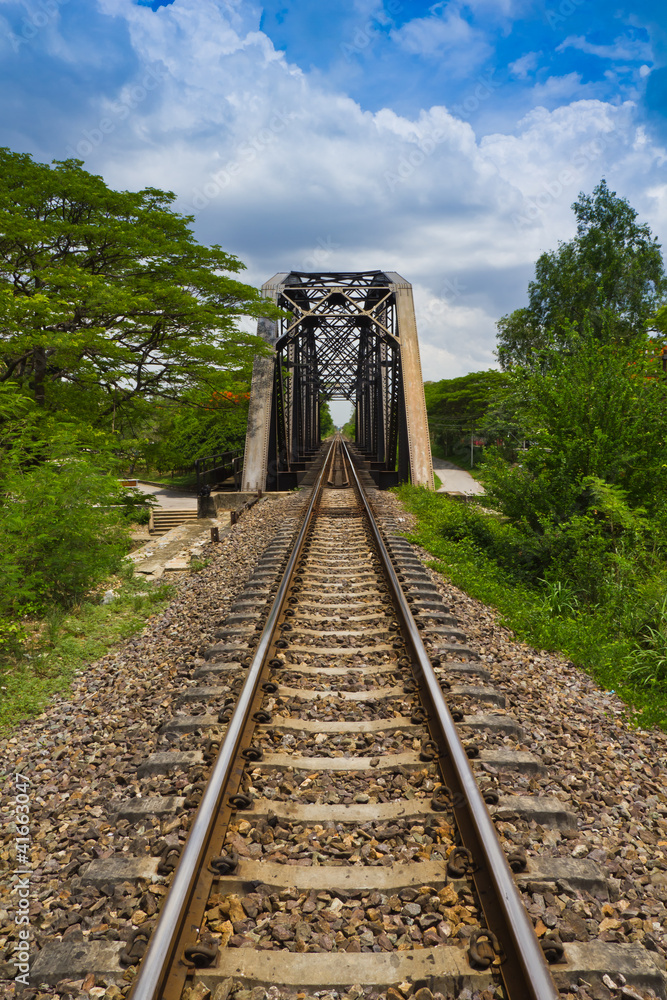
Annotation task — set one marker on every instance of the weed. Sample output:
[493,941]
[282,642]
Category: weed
[53,623]
[648,662]
[560,600]
[12,637]
[475,551]
[162,593]
[42,657]
[198,564]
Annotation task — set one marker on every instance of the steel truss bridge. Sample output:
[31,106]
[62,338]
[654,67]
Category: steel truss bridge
[348,335]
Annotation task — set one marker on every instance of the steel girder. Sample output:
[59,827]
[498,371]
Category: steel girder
[347,335]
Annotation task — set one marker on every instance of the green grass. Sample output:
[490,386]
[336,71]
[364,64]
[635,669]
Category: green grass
[546,617]
[64,644]
[198,564]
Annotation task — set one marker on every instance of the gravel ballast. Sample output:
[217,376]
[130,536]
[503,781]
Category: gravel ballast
[84,752]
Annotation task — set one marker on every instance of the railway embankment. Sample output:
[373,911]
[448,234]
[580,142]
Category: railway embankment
[596,866]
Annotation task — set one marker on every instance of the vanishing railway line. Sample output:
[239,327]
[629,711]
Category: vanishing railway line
[342,840]
[341,635]
[313,821]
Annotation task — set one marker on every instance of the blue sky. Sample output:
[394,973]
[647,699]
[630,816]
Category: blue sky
[445,141]
[410,55]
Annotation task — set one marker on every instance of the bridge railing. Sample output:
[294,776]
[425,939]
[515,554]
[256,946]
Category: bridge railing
[219,466]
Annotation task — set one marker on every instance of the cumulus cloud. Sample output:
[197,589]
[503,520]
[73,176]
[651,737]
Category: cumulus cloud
[288,173]
[445,32]
[454,338]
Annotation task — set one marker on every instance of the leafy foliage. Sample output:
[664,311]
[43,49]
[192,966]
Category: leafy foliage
[577,547]
[183,433]
[62,521]
[458,405]
[598,411]
[108,306]
[614,640]
[106,297]
[327,426]
[520,339]
[648,661]
[611,276]
[349,429]
[119,339]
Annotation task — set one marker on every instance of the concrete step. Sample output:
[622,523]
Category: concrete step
[163,520]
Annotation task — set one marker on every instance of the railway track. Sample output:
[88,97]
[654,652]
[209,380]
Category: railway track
[342,841]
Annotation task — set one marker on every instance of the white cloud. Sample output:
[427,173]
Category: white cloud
[288,174]
[525,65]
[454,338]
[445,32]
[557,89]
[621,50]
[495,12]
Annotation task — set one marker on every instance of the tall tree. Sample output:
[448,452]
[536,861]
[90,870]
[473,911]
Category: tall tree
[106,297]
[327,426]
[593,412]
[200,427]
[611,275]
[458,405]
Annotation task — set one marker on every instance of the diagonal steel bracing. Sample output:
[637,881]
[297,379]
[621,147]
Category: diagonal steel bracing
[345,335]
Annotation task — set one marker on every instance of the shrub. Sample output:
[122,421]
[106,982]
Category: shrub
[60,533]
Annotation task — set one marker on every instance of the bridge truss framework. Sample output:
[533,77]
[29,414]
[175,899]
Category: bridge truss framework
[349,335]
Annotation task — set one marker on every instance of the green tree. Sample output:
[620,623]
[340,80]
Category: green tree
[458,406]
[327,426]
[200,427]
[598,411]
[660,343]
[62,531]
[62,515]
[348,429]
[596,423]
[520,339]
[610,275]
[106,298]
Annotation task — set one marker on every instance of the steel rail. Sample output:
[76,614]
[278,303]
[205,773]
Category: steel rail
[163,945]
[524,970]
